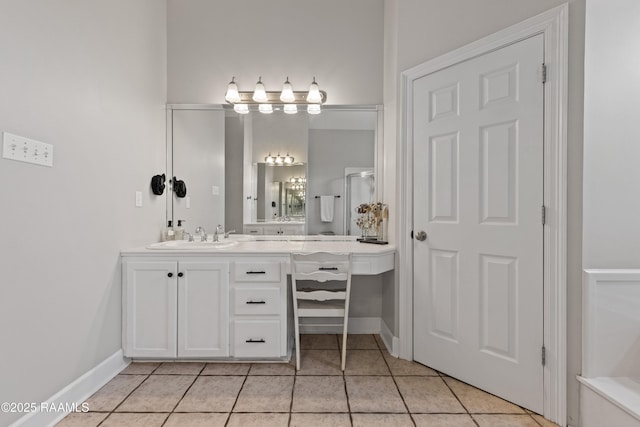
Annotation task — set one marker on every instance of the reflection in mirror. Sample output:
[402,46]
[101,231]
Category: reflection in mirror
[198,160]
[360,189]
[339,140]
[223,182]
[281,193]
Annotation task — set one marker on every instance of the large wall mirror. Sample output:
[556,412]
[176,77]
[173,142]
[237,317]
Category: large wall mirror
[233,177]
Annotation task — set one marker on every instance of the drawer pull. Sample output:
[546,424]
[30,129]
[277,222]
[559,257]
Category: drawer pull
[256,272]
[260,341]
[328,269]
[256,302]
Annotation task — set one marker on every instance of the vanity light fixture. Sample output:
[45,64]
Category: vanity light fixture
[265,100]
[279,160]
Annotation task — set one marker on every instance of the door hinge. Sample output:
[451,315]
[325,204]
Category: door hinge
[544,215]
[544,356]
[543,73]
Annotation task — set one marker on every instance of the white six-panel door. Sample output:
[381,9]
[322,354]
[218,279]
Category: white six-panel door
[478,195]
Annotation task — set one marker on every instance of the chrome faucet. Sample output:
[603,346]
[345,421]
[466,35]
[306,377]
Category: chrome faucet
[202,232]
[219,229]
[189,236]
[226,233]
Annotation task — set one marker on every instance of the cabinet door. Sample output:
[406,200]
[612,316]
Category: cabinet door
[203,309]
[149,309]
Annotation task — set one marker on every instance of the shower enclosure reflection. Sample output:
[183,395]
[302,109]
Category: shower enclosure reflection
[360,188]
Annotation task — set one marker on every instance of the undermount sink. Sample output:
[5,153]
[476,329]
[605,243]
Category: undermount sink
[186,245]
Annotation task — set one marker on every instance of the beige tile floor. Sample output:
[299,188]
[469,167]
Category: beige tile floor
[376,389]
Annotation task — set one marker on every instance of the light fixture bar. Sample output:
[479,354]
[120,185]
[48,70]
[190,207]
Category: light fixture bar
[300,97]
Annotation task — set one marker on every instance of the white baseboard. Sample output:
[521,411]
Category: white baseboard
[357,325]
[389,340]
[76,392]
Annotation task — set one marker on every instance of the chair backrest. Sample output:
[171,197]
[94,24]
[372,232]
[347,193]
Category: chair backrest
[320,266]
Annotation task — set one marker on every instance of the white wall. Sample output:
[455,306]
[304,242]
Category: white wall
[611,135]
[339,42]
[419,30]
[89,78]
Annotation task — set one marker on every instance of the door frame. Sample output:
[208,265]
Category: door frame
[553,24]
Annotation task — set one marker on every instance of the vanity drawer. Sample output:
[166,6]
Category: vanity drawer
[252,301]
[253,230]
[256,272]
[256,338]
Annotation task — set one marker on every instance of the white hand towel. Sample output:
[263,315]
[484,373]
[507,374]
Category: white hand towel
[326,208]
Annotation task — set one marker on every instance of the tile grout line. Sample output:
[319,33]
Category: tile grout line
[128,395]
[235,402]
[458,399]
[397,388]
[295,379]
[185,393]
[344,381]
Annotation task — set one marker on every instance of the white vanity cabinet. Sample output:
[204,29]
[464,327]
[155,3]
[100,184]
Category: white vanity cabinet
[284,229]
[259,308]
[175,308]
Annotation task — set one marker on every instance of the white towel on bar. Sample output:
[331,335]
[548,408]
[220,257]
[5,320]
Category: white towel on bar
[326,208]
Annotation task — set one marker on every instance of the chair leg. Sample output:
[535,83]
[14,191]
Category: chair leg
[297,332]
[344,346]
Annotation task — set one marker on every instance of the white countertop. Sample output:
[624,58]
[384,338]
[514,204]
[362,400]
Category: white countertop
[367,258]
[273,247]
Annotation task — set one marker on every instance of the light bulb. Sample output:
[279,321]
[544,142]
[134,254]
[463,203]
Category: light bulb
[259,93]
[287,92]
[265,108]
[288,159]
[290,109]
[241,108]
[269,159]
[314,93]
[314,109]
[279,160]
[232,94]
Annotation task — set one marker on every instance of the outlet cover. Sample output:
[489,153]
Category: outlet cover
[15,147]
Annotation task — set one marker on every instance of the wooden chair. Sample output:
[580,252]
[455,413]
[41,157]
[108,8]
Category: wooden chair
[312,297]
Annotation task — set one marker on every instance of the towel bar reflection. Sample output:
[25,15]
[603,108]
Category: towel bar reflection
[336,196]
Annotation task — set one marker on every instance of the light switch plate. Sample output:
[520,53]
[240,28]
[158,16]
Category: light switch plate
[15,147]
[215,190]
[187,202]
[138,199]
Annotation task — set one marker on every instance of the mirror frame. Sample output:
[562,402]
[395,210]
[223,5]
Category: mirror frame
[378,144]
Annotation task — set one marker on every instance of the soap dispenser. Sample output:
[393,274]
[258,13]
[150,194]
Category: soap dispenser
[168,233]
[179,230]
